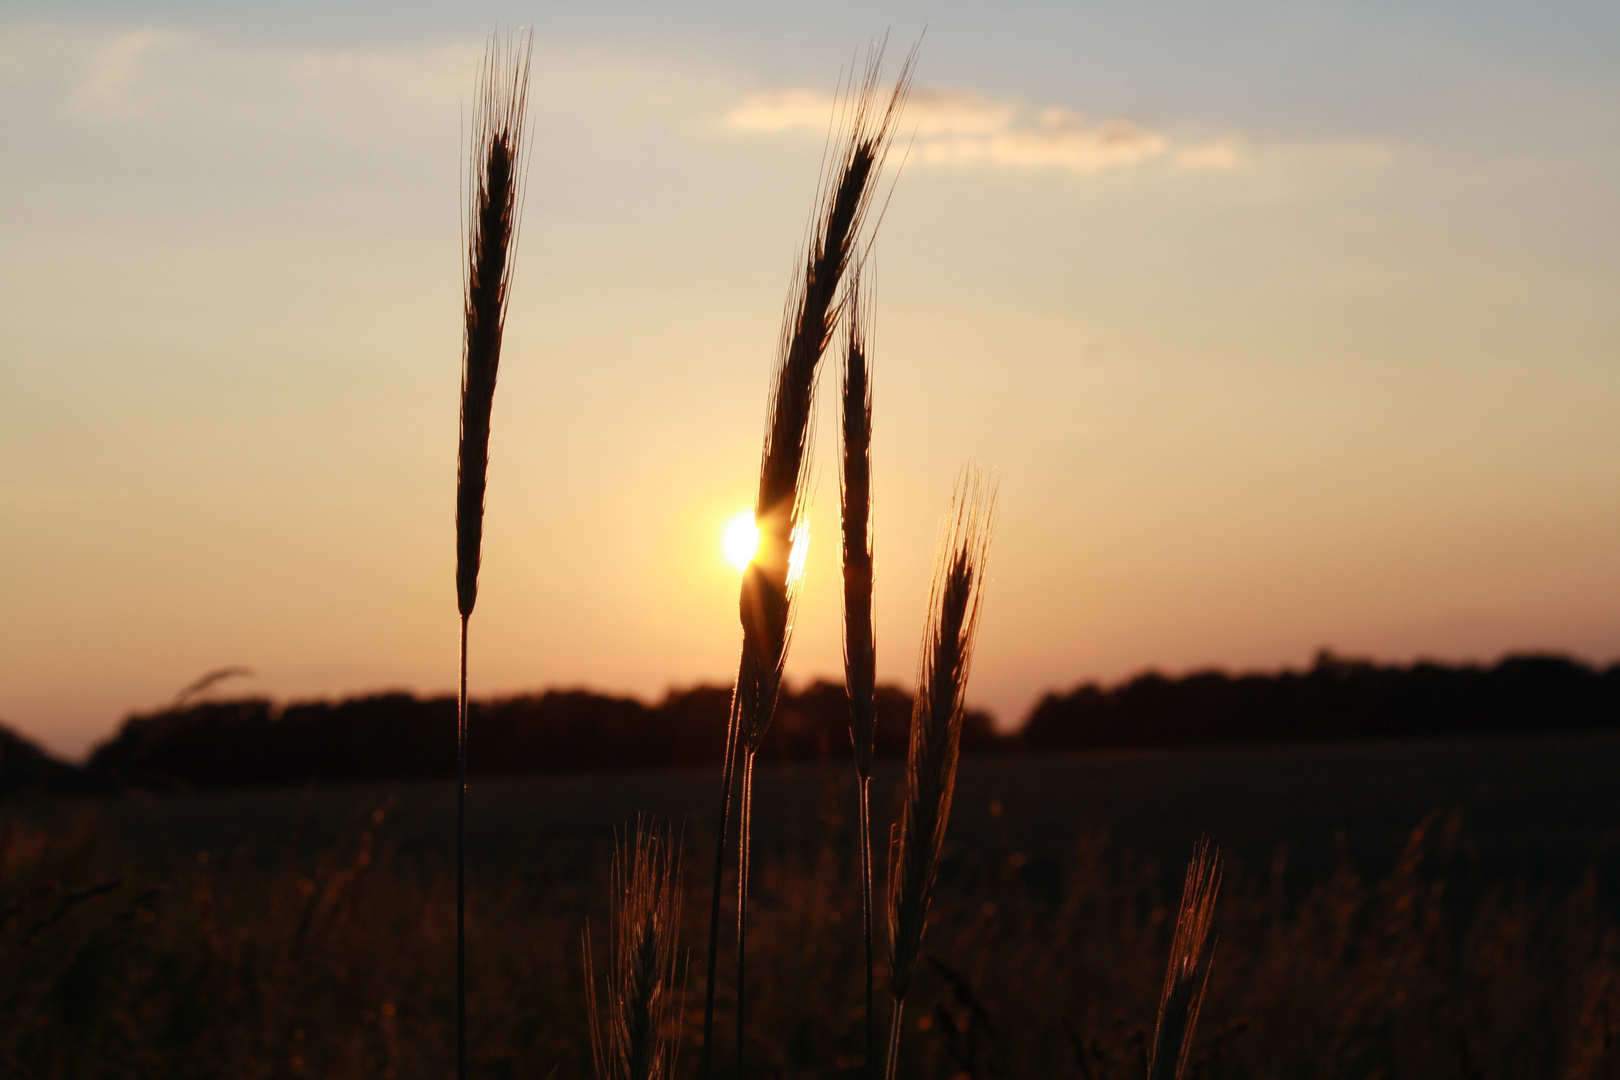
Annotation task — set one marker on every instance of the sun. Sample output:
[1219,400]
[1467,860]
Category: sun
[740,539]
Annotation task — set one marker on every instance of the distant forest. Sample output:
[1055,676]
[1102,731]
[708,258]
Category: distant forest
[398,736]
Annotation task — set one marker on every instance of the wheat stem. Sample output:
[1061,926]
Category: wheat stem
[496,198]
[892,1058]
[461,862]
[727,782]
[860,640]
[865,785]
[745,809]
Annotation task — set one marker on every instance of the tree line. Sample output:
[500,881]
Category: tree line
[398,736]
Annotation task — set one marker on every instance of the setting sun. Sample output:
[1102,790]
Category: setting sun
[740,539]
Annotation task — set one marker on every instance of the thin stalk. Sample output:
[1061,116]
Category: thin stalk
[860,639]
[744,822]
[893,1056]
[866,916]
[727,782]
[461,864]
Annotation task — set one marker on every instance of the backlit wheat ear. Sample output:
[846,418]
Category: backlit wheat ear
[496,197]
[855,487]
[636,1035]
[496,169]
[860,639]
[767,601]
[1191,952]
[954,606]
[768,588]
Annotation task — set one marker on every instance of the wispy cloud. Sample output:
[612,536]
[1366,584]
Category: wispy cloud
[148,77]
[954,127]
[169,75]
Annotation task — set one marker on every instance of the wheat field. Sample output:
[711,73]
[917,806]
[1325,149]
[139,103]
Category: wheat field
[285,933]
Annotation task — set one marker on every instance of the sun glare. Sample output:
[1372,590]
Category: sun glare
[740,539]
[800,552]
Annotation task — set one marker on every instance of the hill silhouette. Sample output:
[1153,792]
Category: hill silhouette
[398,736]
[1334,699]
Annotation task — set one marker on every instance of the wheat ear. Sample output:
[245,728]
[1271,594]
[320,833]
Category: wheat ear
[496,169]
[768,587]
[860,638]
[1191,952]
[954,606]
[637,1034]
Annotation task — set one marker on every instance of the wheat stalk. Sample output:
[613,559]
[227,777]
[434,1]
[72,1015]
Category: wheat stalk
[636,1036]
[769,582]
[496,168]
[955,604]
[860,638]
[1191,951]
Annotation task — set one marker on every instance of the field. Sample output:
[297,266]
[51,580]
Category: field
[1393,909]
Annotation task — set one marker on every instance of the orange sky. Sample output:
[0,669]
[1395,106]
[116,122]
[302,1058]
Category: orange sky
[1278,336]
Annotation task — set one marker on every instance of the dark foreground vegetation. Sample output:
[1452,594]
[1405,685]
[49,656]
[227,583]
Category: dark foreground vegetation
[310,932]
[402,737]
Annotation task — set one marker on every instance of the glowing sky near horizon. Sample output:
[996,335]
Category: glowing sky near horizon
[1282,327]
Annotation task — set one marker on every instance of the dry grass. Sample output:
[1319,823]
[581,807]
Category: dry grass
[189,969]
[767,600]
[496,190]
[496,166]
[855,490]
[860,636]
[955,604]
[767,595]
[635,1036]
[1187,976]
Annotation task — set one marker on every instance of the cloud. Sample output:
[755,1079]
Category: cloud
[168,75]
[954,127]
[151,78]
[117,71]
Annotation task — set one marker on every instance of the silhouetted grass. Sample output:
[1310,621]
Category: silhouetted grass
[769,583]
[336,963]
[955,603]
[860,635]
[635,1029]
[1187,976]
[496,183]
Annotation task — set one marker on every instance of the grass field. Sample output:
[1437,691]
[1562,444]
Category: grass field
[1540,810]
[309,932]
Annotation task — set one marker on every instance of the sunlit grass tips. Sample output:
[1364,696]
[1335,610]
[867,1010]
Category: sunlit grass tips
[635,1029]
[954,607]
[1191,952]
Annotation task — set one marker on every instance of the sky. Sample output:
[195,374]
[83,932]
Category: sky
[1282,327]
